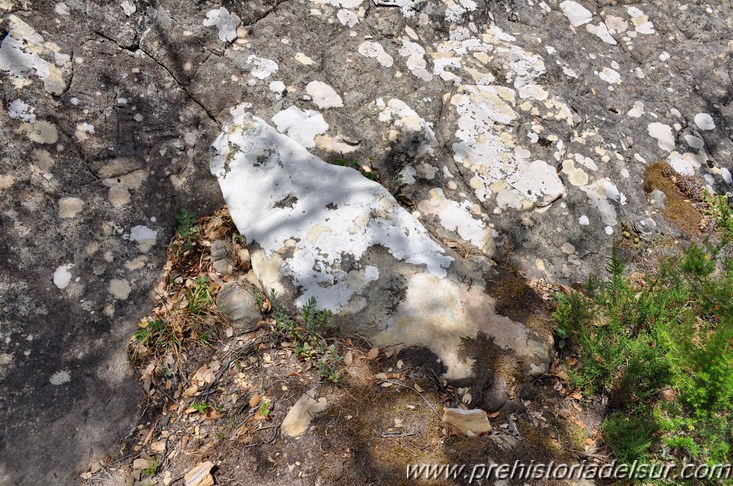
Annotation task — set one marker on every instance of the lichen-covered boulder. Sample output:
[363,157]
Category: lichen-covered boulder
[317,230]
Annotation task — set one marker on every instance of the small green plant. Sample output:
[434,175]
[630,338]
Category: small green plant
[187,230]
[308,342]
[265,409]
[205,337]
[720,210]
[199,296]
[152,468]
[329,365]
[200,407]
[156,335]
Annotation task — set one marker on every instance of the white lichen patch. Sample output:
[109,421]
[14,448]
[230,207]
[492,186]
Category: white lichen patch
[40,131]
[576,13]
[456,9]
[83,130]
[323,95]
[69,207]
[415,54]
[260,67]
[277,87]
[225,22]
[374,50]
[301,126]
[493,154]
[347,17]
[144,236]
[20,110]
[458,218]
[576,175]
[611,76]
[613,193]
[60,377]
[601,30]
[406,120]
[598,199]
[62,276]
[637,110]
[664,135]
[321,214]
[686,164]
[695,142]
[704,121]
[303,59]
[641,22]
[119,288]
[128,7]
[24,53]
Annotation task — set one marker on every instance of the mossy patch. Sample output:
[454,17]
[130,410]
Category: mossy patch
[679,209]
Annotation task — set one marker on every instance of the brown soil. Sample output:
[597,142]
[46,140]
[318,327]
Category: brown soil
[223,398]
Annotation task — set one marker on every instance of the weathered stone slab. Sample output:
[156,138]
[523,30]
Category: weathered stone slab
[327,232]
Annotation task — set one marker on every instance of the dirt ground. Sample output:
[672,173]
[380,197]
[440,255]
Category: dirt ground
[222,393]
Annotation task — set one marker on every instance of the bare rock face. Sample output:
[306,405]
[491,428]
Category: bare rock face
[317,230]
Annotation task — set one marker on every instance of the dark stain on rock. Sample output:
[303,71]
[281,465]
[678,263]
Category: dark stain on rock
[517,300]
[287,202]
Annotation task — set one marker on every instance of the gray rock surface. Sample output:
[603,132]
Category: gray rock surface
[237,302]
[317,230]
[534,120]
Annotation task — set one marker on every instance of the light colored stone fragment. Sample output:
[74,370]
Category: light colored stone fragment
[300,415]
[470,422]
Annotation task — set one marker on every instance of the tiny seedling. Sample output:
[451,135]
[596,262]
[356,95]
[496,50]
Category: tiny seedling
[152,468]
[265,409]
[200,407]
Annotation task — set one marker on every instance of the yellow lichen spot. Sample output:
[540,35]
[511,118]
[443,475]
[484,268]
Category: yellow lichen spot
[576,175]
[316,231]
[476,183]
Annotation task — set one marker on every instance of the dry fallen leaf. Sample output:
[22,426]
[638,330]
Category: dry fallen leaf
[373,353]
[418,388]
[212,414]
[562,375]
[254,400]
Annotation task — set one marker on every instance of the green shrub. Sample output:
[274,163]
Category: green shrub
[662,352]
